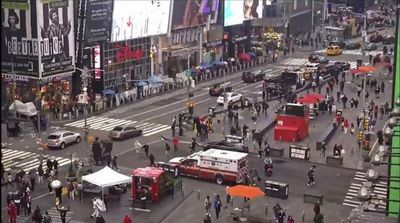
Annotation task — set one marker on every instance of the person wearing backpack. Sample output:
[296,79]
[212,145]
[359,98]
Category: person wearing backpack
[47,218]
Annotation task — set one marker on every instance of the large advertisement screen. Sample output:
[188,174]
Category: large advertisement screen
[19,39]
[236,11]
[194,12]
[98,21]
[140,18]
[57,45]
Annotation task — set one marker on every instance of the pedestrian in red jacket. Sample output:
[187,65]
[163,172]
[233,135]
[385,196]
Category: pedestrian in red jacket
[12,212]
[345,126]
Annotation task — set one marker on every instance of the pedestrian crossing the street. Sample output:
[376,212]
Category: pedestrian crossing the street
[379,191]
[16,159]
[107,124]
[53,213]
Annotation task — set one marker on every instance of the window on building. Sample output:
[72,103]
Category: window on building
[306,3]
[294,4]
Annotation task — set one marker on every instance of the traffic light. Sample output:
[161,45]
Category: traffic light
[360,136]
[366,123]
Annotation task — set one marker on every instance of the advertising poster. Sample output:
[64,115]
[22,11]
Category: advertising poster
[136,19]
[193,13]
[98,21]
[57,45]
[19,39]
[235,12]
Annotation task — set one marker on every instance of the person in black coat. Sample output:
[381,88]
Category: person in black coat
[63,213]
[96,148]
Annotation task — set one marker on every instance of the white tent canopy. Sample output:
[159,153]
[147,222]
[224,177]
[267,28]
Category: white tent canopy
[106,177]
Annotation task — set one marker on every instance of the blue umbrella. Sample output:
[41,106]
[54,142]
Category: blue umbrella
[154,79]
[141,83]
[108,92]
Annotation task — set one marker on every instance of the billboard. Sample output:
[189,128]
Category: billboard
[235,12]
[19,38]
[191,13]
[57,43]
[98,21]
[136,19]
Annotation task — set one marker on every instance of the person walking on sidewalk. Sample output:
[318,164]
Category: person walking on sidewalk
[175,142]
[193,145]
[32,179]
[207,204]
[40,173]
[146,149]
[217,205]
[63,213]
[311,176]
[37,216]
[345,126]
[47,217]
[114,163]
[152,160]
[12,212]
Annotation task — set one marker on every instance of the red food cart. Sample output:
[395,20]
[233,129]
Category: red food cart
[152,183]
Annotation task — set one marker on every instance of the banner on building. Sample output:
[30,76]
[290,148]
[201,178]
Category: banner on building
[194,13]
[19,39]
[98,21]
[56,31]
[137,19]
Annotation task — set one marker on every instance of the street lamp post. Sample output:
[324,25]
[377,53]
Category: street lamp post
[14,86]
[85,82]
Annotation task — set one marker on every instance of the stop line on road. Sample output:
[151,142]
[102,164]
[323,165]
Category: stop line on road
[380,191]
[107,124]
[16,159]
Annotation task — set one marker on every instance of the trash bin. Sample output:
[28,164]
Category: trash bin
[276,189]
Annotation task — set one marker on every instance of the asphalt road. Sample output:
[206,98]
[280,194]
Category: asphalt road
[332,182]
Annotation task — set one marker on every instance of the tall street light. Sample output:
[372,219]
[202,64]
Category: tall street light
[85,76]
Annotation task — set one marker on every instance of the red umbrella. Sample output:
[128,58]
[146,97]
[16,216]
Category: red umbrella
[307,100]
[127,219]
[320,97]
[244,57]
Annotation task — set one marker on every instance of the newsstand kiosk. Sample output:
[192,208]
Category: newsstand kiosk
[291,123]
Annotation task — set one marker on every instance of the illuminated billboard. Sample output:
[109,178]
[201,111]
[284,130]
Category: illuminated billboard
[236,11]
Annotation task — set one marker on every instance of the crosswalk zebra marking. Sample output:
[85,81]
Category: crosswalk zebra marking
[295,61]
[53,213]
[379,190]
[108,124]
[16,159]
[354,52]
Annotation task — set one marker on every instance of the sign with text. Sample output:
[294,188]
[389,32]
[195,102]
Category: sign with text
[19,39]
[57,43]
[98,21]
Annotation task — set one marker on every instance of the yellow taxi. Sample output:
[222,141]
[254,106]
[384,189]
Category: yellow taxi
[333,50]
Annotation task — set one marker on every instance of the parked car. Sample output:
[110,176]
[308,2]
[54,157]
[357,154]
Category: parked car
[315,58]
[390,39]
[218,89]
[25,109]
[124,132]
[60,139]
[340,44]
[342,65]
[370,47]
[353,46]
[375,38]
[231,97]
[253,76]
[225,145]
[333,50]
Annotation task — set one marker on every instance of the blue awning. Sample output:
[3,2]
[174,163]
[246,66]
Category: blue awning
[108,92]
[153,79]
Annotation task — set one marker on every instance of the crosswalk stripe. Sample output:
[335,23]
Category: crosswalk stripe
[107,124]
[351,201]
[351,205]
[160,130]
[360,179]
[27,161]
